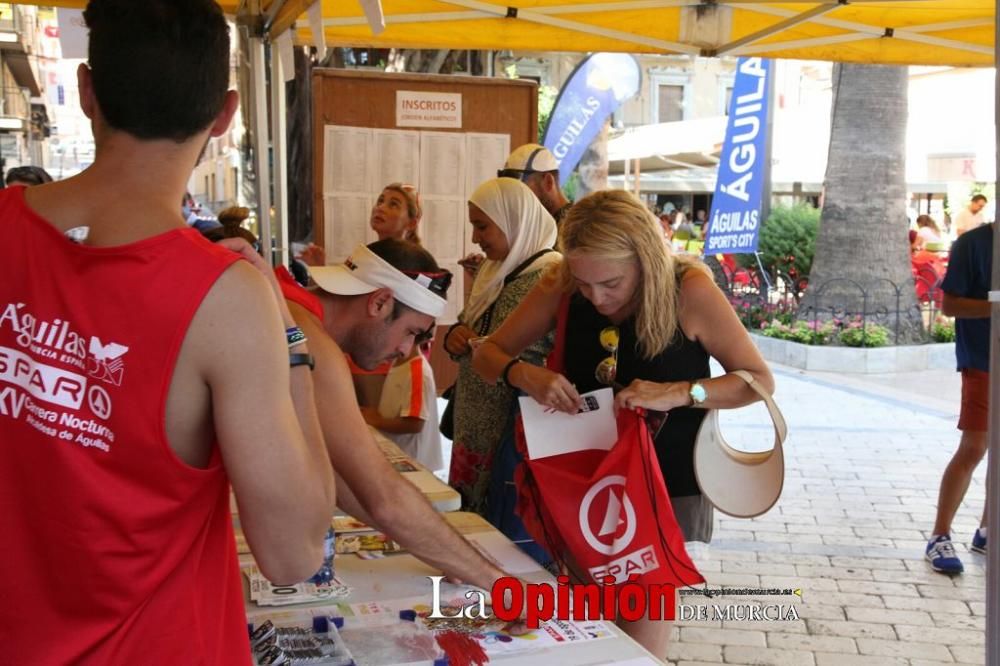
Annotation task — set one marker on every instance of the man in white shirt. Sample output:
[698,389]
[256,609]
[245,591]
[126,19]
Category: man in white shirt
[970,217]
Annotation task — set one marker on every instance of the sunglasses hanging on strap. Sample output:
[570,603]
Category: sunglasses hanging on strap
[607,372]
[738,483]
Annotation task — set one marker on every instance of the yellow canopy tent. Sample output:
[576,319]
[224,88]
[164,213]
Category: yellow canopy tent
[895,32]
[898,32]
[930,32]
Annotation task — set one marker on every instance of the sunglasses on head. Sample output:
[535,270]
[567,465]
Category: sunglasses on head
[516,174]
[437,283]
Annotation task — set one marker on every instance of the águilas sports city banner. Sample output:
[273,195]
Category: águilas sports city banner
[595,89]
[734,226]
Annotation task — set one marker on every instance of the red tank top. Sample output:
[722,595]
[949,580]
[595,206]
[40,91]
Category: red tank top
[296,293]
[116,551]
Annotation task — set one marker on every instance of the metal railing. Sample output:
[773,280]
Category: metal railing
[760,299]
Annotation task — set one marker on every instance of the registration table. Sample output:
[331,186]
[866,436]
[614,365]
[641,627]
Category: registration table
[442,496]
[385,586]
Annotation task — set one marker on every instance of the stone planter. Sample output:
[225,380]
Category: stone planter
[866,360]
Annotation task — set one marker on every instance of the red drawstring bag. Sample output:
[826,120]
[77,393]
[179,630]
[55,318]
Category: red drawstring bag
[608,509]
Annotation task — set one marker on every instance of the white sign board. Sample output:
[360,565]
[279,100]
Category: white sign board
[428,109]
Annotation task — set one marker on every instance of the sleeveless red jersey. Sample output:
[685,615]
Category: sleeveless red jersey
[116,551]
[296,293]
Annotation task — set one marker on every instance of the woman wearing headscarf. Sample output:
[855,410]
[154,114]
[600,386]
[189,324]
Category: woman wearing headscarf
[516,234]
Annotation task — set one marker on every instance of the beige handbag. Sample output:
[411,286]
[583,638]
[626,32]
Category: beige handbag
[738,483]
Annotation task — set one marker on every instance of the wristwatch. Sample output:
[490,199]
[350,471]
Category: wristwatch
[295,360]
[698,394]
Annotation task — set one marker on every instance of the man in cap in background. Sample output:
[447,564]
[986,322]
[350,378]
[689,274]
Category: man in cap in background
[536,166]
[383,299]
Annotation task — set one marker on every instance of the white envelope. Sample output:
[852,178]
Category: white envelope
[555,433]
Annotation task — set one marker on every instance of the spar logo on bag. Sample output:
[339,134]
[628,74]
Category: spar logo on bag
[608,524]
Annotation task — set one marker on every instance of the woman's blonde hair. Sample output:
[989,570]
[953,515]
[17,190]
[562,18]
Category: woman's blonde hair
[413,207]
[615,226]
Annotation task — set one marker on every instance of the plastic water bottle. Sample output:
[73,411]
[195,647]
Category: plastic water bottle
[325,574]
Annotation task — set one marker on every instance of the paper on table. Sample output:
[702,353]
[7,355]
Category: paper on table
[503,552]
[552,434]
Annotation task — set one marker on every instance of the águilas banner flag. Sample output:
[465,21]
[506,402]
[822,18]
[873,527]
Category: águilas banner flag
[734,226]
[595,89]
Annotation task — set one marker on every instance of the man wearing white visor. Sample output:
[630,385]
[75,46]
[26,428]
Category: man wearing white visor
[375,306]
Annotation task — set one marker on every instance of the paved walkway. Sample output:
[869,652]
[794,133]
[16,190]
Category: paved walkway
[863,461]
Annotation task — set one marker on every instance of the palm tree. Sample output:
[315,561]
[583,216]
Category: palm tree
[862,259]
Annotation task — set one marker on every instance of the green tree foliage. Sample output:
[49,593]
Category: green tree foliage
[787,240]
[546,102]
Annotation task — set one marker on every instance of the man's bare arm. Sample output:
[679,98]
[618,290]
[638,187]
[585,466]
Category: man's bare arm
[281,477]
[965,308]
[395,505]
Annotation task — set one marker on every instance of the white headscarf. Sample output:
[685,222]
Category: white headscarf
[528,227]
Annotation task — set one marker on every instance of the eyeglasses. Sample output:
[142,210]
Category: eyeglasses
[437,283]
[607,370]
[425,336]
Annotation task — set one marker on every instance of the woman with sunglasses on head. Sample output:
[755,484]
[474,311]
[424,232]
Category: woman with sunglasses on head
[516,234]
[644,321]
[397,213]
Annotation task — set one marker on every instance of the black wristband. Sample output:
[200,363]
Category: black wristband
[505,375]
[295,360]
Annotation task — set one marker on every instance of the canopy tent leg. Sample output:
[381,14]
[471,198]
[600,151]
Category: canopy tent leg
[993,457]
[279,144]
[258,91]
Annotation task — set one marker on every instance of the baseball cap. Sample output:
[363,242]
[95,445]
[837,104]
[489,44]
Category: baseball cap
[364,272]
[528,159]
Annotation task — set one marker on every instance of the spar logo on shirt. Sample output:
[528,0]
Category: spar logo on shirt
[57,341]
[42,380]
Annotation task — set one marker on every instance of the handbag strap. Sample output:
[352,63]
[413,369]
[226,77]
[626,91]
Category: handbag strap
[486,318]
[556,358]
[780,428]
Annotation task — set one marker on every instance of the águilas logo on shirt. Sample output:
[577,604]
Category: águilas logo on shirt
[105,361]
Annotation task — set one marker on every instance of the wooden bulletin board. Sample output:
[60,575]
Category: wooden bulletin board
[344,99]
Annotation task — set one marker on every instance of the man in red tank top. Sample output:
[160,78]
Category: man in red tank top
[380,301]
[142,371]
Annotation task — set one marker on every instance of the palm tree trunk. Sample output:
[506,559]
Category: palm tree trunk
[862,259]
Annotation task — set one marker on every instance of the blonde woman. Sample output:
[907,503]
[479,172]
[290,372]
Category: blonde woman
[397,213]
[639,317]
